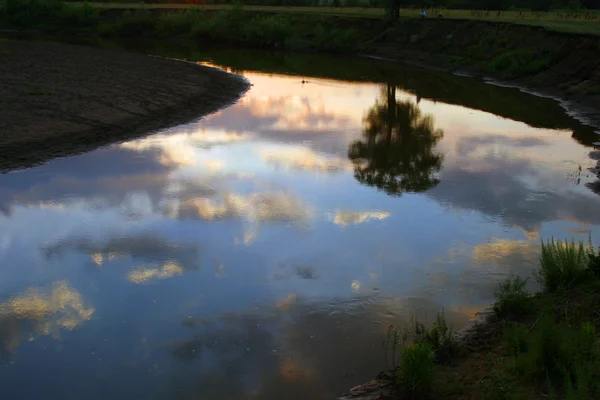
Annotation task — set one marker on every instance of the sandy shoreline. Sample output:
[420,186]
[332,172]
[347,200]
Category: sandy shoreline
[57,99]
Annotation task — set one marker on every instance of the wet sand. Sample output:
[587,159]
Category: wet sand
[57,99]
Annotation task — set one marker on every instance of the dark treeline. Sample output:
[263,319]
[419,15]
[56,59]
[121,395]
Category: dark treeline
[536,5]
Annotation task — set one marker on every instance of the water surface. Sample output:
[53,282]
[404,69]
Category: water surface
[261,252]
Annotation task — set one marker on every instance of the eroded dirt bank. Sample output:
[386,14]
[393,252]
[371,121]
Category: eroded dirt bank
[57,99]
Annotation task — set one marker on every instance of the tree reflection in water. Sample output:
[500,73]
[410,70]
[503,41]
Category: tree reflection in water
[397,153]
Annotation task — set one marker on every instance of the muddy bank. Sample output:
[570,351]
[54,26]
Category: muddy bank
[57,100]
[479,335]
[561,66]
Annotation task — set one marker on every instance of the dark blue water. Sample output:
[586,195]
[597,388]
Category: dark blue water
[261,252]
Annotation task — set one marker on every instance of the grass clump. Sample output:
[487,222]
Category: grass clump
[519,62]
[515,337]
[39,92]
[179,22]
[545,346]
[497,385]
[414,364]
[562,356]
[232,24]
[417,370]
[439,337]
[50,14]
[565,264]
[137,23]
[79,16]
[592,90]
[512,300]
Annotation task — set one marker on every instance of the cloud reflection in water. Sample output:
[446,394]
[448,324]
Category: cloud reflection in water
[307,261]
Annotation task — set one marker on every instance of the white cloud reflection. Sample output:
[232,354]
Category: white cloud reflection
[144,275]
[254,207]
[345,218]
[302,158]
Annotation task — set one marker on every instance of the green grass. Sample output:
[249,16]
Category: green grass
[545,346]
[414,363]
[574,22]
[519,62]
[498,384]
[236,25]
[39,92]
[439,337]
[48,14]
[559,350]
[592,90]
[511,298]
[564,264]
[417,371]
[560,355]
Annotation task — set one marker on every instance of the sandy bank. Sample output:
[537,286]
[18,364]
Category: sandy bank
[57,100]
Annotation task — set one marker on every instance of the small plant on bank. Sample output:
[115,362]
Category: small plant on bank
[417,371]
[439,337]
[515,337]
[512,299]
[414,364]
[496,385]
[563,356]
[564,264]
[392,347]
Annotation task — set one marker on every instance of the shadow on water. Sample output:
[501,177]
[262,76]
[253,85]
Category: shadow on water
[397,151]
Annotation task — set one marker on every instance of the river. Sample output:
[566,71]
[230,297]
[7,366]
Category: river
[262,252]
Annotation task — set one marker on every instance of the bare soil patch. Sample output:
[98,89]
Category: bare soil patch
[57,99]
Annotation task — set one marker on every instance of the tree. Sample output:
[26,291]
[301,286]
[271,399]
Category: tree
[393,9]
[591,4]
[397,153]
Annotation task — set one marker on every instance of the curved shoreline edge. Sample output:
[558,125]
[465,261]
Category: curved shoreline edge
[59,100]
[581,108]
[483,325]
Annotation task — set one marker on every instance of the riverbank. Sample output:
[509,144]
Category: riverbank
[561,65]
[57,99]
[544,346]
[550,64]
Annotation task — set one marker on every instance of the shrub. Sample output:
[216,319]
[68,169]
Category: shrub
[439,337]
[496,385]
[417,370]
[515,336]
[511,298]
[545,349]
[392,346]
[562,355]
[25,13]
[519,62]
[179,23]
[79,16]
[270,30]
[139,22]
[51,14]
[593,263]
[563,264]
[296,43]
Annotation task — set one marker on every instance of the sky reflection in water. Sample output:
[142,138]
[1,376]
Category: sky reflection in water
[261,252]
